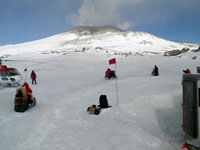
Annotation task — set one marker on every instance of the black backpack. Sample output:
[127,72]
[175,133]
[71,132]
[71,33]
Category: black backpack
[103,102]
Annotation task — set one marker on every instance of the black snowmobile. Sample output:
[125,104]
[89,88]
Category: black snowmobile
[23,100]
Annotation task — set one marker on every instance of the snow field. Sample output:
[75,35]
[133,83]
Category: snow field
[149,114]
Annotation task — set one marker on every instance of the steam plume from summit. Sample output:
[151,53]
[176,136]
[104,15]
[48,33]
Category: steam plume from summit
[100,13]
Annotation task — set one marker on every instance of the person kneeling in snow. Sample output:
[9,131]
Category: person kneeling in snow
[93,110]
[110,74]
[155,71]
[187,71]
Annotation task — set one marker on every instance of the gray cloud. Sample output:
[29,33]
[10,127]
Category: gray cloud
[125,25]
[126,13]
[101,13]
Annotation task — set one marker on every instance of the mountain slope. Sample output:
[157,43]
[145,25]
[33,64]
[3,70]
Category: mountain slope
[92,39]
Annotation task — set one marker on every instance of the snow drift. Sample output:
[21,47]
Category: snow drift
[149,114]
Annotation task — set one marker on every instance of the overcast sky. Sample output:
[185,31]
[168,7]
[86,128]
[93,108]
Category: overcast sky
[27,20]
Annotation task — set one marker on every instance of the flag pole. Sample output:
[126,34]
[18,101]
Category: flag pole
[116,84]
[25,70]
[113,61]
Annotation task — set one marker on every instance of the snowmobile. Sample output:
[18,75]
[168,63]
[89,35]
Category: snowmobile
[9,76]
[23,100]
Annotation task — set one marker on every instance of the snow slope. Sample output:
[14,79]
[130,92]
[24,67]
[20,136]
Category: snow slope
[101,39]
[148,117]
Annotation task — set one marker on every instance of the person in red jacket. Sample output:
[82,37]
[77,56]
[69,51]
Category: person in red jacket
[29,92]
[108,73]
[28,89]
[187,71]
[33,77]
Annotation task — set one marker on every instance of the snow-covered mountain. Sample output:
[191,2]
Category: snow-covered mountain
[101,39]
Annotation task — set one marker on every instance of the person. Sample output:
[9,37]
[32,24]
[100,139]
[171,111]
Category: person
[93,110]
[155,71]
[109,74]
[187,71]
[29,92]
[33,77]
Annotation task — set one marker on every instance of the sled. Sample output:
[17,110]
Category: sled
[23,107]
[104,107]
[193,144]
[8,85]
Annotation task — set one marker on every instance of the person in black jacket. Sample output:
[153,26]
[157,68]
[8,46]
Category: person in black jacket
[155,71]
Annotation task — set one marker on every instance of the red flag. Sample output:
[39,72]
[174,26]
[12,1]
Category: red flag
[25,69]
[183,146]
[112,61]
